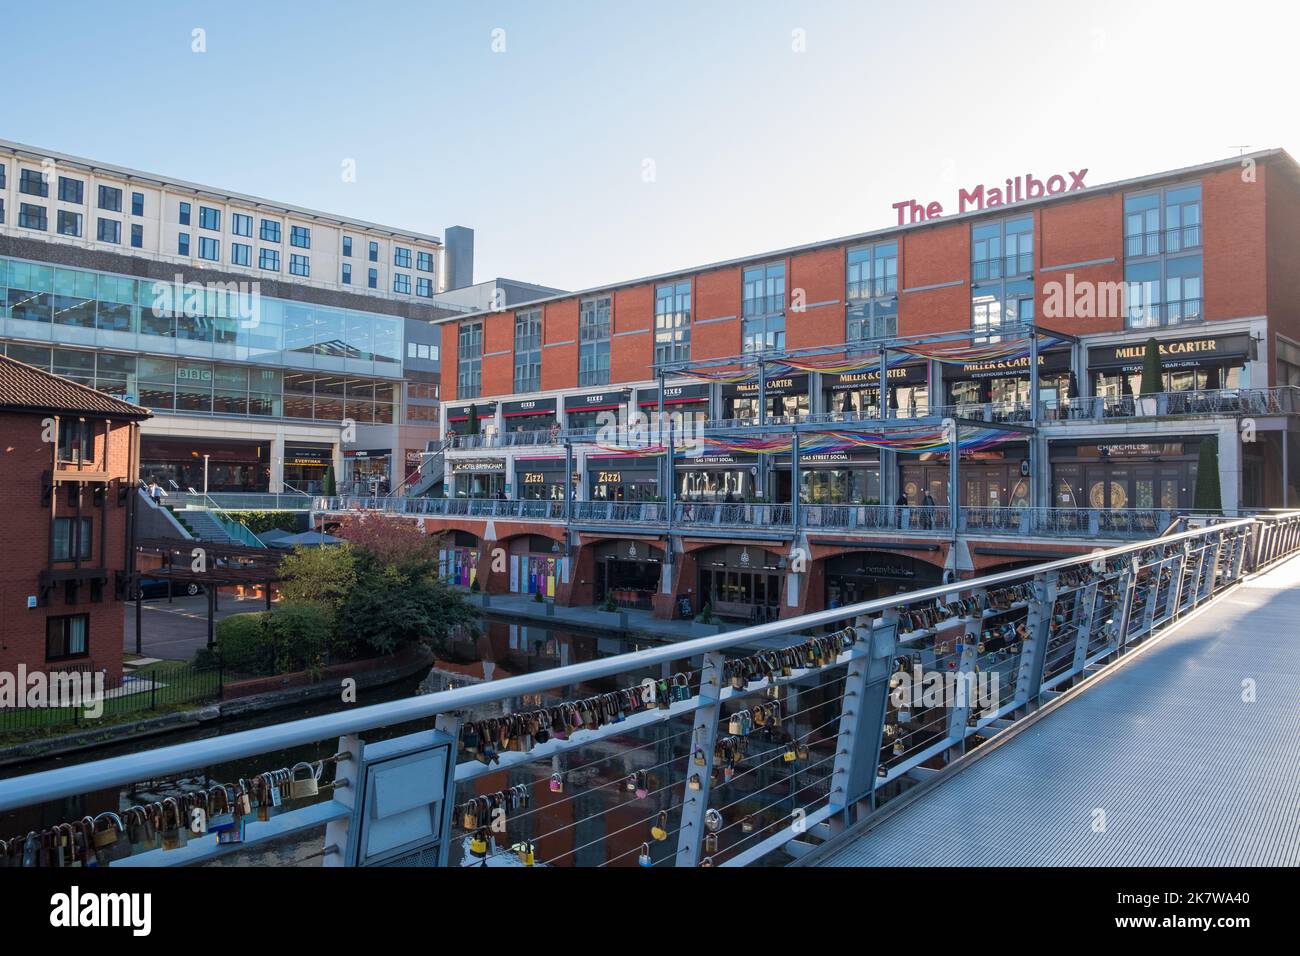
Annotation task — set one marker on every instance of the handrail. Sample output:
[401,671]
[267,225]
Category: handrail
[149,764]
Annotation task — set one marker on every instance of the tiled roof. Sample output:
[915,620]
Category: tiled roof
[24,388]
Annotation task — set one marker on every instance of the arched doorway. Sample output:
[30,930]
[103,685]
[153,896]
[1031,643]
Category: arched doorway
[629,571]
[741,582]
[867,575]
[458,558]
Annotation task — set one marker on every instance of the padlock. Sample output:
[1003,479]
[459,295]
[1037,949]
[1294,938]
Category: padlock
[642,785]
[710,847]
[244,800]
[713,820]
[110,842]
[803,751]
[707,861]
[899,749]
[301,787]
[478,844]
[694,782]
[643,858]
[172,834]
[630,783]
[526,852]
[660,829]
[220,816]
[733,725]
[681,687]
[790,755]
[557,783]
[747,825]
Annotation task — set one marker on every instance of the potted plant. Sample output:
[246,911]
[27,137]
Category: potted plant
[612,613]
[1208,496]
[705,622]
[1153,380]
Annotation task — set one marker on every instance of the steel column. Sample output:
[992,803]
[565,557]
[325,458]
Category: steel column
[690,835]
[862,714]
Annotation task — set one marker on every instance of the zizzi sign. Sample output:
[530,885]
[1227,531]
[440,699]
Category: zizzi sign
[985,196]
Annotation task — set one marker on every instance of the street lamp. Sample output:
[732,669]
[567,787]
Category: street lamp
[205,475]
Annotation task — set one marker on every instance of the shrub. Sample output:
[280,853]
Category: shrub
[1208,495]
[610,603]
[393,606]
[706,613]
[259,521]
[1153,379]
[301,633]
[245,644]
[322,575]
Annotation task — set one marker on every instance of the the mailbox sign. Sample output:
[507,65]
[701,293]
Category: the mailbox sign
[985,196]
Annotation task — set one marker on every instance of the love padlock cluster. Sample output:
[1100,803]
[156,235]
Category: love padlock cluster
[485,740]
[220,810]
[489,813]
[740,672]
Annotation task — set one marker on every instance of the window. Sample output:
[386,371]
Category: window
[137,204]
[347,246]
[209,248]
[424,287]
[68,223]
[32,183]
[2,175]
[373,279]
[137,236]
[184,216]
[109,230]
[402,283]
[469,360]
[299,266]
[71,190]
[998,305]
[593,340]
[673,323]
[374,252]
[241,254]
[1162,268]
[182,243]
[76,437]
[401,257]
[110,198]
[871,292]
[763,307]
[528,350]
[2,210]
[424,261]
[241,225]
[300,236]
[1003,248]
[209,218]
[269,259]
[347,273]
[67,636]
[270,230]
[72,539]
[32,217]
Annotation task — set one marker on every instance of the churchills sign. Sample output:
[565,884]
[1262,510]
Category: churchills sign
[985,196]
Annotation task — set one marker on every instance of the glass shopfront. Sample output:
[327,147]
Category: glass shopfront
[534,565]
[786,396]
[583,413]
[716,477]
[630,571]
[475,418]
[741,582]
[684,405]
[1202,362]
[366,471]
[832,478]
[478,478]
[458,559]
[623,478]
[998,479]
[305,467]
[853,395]
[533,415]
[1006,382]
[542,479]
[1125,475]
[177,464]
[867,575]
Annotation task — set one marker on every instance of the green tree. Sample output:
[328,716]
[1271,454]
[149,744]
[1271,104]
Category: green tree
[1208,495]
[393,605]
[1153,378]
[302,635]
[324,575]
[471,423]
[327,485]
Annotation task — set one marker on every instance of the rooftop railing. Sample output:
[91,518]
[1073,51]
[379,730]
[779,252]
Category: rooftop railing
[744,748]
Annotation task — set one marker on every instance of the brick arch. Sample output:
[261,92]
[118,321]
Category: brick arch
[985,564]
[438,526]
[821,552]
[781,548]
[508,532]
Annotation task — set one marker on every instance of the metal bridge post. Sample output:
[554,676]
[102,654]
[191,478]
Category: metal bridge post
[1085,609]
[1153,595]
[690,836]
[1033,653]
[1128,586]
[337,831]
[862,715]
[1240,540]
[1209,569]
[1175,596]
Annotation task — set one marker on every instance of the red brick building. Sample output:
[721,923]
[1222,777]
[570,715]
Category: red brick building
[69,460]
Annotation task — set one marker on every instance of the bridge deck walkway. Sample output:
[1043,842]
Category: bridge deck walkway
[1186,772]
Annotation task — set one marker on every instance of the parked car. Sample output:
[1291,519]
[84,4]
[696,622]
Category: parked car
[157,587]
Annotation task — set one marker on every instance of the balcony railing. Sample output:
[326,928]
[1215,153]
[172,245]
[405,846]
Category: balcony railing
[1208,403]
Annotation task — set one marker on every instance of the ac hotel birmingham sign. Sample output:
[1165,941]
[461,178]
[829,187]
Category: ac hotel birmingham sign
[985,196]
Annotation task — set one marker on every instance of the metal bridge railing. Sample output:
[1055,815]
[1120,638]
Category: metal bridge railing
[743,748]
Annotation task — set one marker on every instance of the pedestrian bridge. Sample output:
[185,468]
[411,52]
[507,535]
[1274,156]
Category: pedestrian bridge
[1126,707]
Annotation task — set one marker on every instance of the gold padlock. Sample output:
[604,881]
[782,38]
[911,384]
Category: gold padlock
[660,830]
[302,787]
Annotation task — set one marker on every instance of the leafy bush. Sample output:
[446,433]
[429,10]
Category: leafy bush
[321,575]
[1153,379]
[302,636]
[244,644]
[706,613]
[1208,494]
[259,521]
[395,605]
[610,603]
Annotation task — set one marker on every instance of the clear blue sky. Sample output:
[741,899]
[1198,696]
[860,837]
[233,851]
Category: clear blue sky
[542,148]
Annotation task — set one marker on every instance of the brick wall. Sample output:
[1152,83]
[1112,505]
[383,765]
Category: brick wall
[23,459]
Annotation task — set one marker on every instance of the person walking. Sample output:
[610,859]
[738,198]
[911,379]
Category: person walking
[928,504]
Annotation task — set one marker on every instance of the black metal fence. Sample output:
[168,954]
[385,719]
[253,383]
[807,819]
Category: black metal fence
[81,696]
